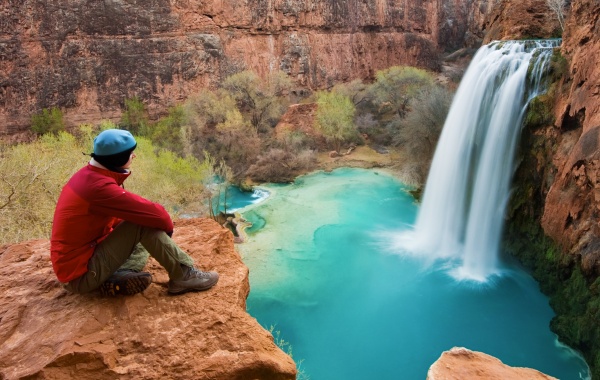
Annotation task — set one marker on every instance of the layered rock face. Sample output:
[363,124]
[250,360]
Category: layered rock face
[572,209]
[571,214]
[559,181]
[87,57]
[516,20]
[48,333]
[461,364]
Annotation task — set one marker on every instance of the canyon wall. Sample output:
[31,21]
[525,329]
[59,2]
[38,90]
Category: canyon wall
[554,221]
[87,57]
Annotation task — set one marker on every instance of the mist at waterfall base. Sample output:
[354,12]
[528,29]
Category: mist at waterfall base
[324,274]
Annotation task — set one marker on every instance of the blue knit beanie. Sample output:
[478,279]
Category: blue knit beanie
[113,147]
[113,141]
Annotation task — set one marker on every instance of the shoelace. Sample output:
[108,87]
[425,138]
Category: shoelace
[196,273]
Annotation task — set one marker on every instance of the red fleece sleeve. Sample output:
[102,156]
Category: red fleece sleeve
[113,200]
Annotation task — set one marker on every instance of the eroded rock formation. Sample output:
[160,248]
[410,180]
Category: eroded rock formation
[572,209]
[461,364]
[517,20]
[46,332]
[558,184]
[87,57]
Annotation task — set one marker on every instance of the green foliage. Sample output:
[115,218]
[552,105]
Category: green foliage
[48,121]
[396,86]
[32,176]
[167,132]
[164,177]
[559,66]
[262,102]
[356,90]
[135,116]
[215,125]
[539,111]
[335,118]
[203,112]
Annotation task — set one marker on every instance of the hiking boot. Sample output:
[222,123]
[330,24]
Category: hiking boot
[126,282]
[193,280]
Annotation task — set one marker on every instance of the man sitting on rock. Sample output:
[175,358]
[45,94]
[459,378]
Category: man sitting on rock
[100,230]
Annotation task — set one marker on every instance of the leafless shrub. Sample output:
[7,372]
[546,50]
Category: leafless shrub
[558,7]
[419,131]
[280,166]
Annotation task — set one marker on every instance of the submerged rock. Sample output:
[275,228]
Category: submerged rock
[462,364]
[47,332]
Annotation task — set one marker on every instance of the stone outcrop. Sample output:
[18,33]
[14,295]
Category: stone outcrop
[517,20]
[88,57]
[557,191]
[572,209]
[460,364]
[48,333]
[572,205]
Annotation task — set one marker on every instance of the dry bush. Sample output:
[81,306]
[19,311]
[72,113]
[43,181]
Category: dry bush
[164,177]
[281,166]
[32,176]
[417,134]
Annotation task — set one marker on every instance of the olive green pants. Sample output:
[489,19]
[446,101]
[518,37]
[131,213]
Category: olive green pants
[128,247]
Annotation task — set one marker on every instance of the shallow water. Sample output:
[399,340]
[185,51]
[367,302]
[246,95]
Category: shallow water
[323,271]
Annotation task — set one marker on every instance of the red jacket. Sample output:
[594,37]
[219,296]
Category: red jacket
[90,205]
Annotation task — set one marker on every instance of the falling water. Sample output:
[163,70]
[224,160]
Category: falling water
[461,216]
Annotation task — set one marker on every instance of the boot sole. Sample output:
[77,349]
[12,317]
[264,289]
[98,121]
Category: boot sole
[127,287]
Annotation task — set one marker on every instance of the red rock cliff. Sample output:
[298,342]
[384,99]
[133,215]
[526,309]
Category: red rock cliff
[462,364]
[86,57]
[48,333]
[572,210]
[572,204]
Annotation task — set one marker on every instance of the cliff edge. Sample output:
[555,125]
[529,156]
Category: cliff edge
[47,332]
[460,363]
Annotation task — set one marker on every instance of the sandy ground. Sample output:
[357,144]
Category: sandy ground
[361,157]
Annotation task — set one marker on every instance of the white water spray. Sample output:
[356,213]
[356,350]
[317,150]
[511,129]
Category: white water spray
[463,206]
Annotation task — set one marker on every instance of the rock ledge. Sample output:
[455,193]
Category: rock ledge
[460,364]
[48,333]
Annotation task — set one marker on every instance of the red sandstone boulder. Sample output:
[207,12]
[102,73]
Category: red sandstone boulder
[46,332]
[462,364]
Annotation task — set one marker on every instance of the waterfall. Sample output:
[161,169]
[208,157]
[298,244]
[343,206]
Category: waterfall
[462,213]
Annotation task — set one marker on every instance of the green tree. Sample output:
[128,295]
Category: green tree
[395,87]
[335,118]
[135,116]
[262,102]
[356,90]
[48,121]
[203,112]
[165,177]
[167,132]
